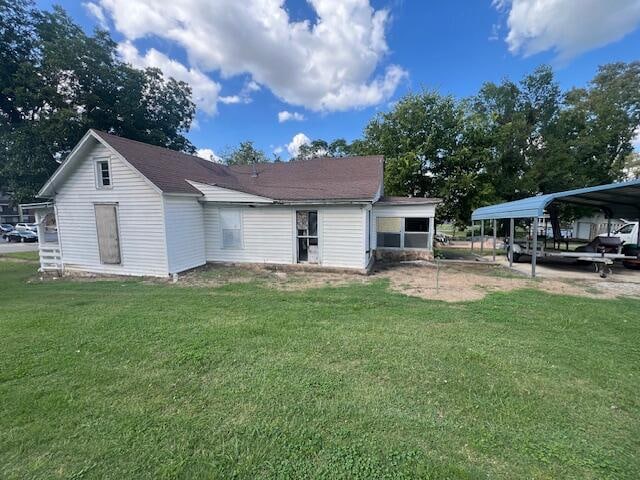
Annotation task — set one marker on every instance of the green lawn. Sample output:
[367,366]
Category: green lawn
[31,256]
[127,379]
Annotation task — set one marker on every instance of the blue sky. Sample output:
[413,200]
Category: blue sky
[251,61]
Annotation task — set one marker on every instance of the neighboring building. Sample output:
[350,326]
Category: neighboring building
[125,207]
[8,211]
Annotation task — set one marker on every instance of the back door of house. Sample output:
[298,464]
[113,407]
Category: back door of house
[307,236]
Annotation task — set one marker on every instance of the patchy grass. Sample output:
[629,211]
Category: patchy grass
[30,256]
[129,379]
[453,253]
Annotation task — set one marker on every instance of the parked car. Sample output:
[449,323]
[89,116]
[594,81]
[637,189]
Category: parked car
[21,236]
[5,228]
[27,226]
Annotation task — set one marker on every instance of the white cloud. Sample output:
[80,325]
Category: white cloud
[278,150]
[208,154]
[97,13]
[205,91]
[568,27]
[636,140]
[330,64]
[244,96]
[296,142]
[285,116]
[231,99]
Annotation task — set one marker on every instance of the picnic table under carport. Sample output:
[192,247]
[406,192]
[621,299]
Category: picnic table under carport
[616,200]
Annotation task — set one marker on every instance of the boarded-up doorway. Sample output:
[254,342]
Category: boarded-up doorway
[108,236]
[307,236]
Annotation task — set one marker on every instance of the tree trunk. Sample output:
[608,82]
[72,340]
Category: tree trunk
[555,225]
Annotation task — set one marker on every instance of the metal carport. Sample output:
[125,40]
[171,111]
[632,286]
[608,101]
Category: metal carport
[615,200]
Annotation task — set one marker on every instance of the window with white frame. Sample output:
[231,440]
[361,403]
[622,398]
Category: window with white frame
[103,174]
[231,225]
[416,233]
[401,232]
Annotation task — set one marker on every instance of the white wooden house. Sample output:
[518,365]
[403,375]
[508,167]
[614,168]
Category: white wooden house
[125,207]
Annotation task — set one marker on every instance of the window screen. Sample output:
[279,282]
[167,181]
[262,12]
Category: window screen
[231,224]
[389,232]
[416,232]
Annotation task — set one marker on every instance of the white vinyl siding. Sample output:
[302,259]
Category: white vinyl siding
[267,235]
[342,237]
[140,218]
[184,218]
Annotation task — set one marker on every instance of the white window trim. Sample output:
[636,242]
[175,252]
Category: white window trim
[98,173]
[240,212]
[402,233]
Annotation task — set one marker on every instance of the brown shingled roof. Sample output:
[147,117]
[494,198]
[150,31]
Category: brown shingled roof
[353,178]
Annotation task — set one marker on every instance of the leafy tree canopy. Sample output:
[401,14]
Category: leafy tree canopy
[56,82]
[509,141]
[244,154]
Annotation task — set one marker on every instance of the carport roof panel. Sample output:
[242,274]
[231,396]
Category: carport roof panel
[619,199]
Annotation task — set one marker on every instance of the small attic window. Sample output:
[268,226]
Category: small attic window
[103,174]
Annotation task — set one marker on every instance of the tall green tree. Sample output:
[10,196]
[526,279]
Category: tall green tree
[244,154]
[426,151]
[321,148]
[57,82]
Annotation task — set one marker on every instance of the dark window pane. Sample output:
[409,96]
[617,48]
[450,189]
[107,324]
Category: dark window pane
[390,240]
[416,240]
[303,252]
[313,223]
[313,241]
[104,174]
[416,225]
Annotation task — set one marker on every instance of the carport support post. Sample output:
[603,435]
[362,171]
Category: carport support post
[534,251]
[511,240]
[481,237]
[473,229]
[494,239]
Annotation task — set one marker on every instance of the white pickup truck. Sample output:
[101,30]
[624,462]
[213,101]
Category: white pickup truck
[628,233]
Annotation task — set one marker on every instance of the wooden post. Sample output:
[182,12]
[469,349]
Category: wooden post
[481,237]
[511,240]
[494,239]
[534,250]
